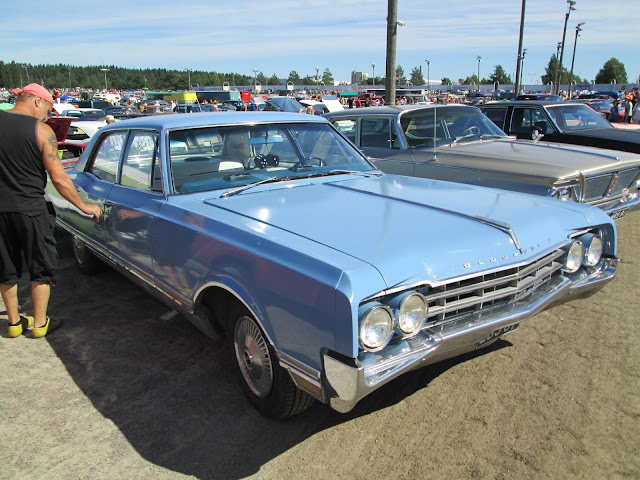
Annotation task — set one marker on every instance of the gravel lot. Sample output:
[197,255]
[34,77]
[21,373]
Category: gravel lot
[128,390]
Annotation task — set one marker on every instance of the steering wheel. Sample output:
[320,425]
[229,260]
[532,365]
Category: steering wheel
[310,160]
[472,130]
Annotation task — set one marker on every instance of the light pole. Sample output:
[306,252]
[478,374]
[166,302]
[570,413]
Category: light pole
[105,70]
[255,76]
[555,77]
[428,75]
[373,73]
[564,33]
[578,30]
[479,60]
[519,73]
[317,75]
[189,76]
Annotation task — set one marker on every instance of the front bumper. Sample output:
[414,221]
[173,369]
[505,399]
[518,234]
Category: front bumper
[619,206]
[346,381]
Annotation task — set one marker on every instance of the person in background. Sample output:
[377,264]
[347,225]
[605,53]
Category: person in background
[614,114]
[110,119]
[628,107]
[28,152]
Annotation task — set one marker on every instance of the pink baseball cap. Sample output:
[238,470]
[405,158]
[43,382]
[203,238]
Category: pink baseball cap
[34,89]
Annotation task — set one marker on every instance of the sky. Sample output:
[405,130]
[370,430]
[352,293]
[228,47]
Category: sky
[343,36]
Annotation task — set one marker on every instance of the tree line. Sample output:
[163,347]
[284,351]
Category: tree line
[97,77]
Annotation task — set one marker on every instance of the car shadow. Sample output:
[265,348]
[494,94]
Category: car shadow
[171,391]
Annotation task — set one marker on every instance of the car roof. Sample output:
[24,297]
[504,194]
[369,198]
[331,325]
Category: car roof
[390,109]
[174,121]
[543,103]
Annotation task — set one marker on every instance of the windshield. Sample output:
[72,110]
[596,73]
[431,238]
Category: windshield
[214,158]
[446,125]
[575,116]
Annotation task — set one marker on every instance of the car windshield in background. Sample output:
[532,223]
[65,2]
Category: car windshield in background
[571,117]
[443,126]
[214,158]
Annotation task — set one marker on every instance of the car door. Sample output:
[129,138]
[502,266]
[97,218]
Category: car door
[94,185]
[133,203]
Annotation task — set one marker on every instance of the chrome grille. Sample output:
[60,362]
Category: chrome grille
[597,187]
[454,300]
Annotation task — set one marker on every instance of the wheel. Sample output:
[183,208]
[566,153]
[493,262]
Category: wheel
[85,259]
[268,386]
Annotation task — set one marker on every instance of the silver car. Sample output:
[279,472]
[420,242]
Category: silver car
[460,144]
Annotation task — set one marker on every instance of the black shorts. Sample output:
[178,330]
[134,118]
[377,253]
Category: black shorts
[28,234]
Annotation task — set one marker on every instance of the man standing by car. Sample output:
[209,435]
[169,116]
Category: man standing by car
[28,151]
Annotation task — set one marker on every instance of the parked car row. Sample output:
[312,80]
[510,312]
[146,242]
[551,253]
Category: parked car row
[458,143]
[329,277]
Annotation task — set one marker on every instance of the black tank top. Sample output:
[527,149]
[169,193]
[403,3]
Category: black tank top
[22,173]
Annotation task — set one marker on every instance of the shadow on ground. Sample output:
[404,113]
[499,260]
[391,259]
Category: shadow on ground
[170,390]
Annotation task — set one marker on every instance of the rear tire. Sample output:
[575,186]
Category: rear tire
[86,261]
[267,385]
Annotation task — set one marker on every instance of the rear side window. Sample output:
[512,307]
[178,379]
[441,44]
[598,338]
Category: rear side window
[497,116]
[377,133]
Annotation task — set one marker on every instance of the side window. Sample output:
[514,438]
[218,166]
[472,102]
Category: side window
[139,160]
[347,127]
[521,122]
[497,116]
[540,122]
[376,132]
[105,162]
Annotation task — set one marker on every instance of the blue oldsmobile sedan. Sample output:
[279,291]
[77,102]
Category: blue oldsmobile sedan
[329,278]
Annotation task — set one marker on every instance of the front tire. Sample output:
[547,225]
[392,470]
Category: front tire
[267,385]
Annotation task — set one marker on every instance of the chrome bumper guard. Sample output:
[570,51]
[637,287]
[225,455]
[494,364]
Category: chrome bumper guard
[347,381]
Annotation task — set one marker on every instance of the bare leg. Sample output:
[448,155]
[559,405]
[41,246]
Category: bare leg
[40,293]
[10,299]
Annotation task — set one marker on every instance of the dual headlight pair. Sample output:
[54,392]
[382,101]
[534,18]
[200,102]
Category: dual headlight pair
[406,313]
[585,250]
[565,194]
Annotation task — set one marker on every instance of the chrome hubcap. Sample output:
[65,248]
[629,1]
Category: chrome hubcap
[252,354]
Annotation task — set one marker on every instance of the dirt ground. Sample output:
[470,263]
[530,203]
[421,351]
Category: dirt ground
[128,390]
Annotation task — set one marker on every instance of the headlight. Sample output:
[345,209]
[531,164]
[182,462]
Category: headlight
[593,249]
[561,193]
[574,258]
[376,327]
[412,313]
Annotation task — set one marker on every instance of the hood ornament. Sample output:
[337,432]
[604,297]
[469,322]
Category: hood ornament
[504,227]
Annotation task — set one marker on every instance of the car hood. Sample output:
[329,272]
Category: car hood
[411,229]
[617,134]
[540,158]
[60,126]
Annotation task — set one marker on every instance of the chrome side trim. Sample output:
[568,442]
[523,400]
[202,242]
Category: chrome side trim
[305,377]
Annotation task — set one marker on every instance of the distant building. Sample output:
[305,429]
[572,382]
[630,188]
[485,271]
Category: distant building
[358,77]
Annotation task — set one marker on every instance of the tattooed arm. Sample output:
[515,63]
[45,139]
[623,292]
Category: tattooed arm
[58,176]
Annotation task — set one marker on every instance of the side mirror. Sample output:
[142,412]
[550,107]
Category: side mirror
[535,133]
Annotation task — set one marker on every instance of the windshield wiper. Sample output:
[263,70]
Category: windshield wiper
[235,191]
[340,172]
[457,139]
